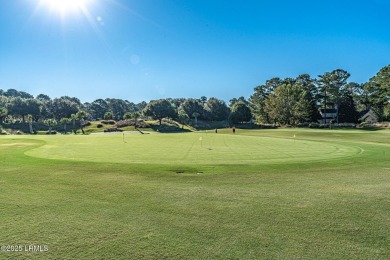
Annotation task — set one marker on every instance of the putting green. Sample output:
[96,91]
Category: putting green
[189,149]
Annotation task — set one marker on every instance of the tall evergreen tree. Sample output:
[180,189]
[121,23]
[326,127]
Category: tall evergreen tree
[331,86]
[347,110]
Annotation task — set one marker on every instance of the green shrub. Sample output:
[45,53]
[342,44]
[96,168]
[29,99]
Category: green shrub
[112,129]
[108,122]
[124,123]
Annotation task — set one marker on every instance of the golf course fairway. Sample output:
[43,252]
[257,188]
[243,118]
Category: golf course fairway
[256,194]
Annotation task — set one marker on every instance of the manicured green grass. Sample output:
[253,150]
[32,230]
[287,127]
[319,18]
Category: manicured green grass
[255,194]
[200,149]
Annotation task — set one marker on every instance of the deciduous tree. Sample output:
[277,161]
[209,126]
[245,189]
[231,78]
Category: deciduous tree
[216,109]
[191,106]
[3,113]
[63,107]
[378,89]
[240,113]
[288,105]
[159,109]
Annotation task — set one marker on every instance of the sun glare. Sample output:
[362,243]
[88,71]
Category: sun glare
[64,7]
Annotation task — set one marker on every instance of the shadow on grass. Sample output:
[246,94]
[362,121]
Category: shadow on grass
[372,129]
[169,129]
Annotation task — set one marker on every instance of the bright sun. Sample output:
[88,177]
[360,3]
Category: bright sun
[66,6]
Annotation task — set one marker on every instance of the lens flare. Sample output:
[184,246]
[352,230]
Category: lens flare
[65,7]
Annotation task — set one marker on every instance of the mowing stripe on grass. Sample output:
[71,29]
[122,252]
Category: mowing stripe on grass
[213,149]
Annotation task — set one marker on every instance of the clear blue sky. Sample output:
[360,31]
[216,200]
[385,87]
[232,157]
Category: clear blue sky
[150,49]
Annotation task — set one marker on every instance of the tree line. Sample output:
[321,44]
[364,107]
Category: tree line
[21,106]
[297,100]
[289,101]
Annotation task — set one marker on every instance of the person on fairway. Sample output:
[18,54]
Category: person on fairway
[216,130]
[234,129]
